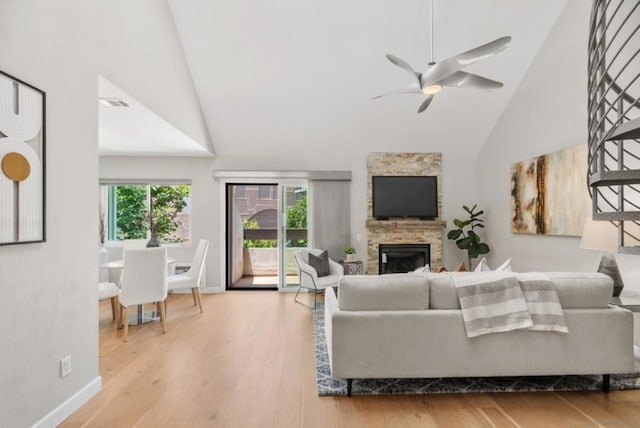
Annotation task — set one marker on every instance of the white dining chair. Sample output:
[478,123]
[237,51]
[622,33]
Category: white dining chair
[109,290]
[191,278]
[144,280]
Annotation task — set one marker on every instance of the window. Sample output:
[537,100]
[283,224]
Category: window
[129,216]
[241,191]
[266,192]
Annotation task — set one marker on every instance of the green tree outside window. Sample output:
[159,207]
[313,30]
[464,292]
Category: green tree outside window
[134,219]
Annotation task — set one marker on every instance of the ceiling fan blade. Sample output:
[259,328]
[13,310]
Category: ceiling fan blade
[453,64]
[482,52]
[438,72]
[411,89]
[404,65]
[462,79]
[425,104]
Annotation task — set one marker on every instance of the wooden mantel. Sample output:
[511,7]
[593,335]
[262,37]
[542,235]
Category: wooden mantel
[403,222]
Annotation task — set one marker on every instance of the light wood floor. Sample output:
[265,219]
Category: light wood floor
[248,361]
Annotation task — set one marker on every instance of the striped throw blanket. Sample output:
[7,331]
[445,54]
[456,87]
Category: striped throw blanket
[494,302]
[543,302]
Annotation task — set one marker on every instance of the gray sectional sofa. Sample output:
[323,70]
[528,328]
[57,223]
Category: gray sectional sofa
[409,326]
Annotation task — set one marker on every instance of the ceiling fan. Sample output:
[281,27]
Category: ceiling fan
[448,72]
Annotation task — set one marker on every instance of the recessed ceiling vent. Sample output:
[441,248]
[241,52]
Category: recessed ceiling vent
[113,102]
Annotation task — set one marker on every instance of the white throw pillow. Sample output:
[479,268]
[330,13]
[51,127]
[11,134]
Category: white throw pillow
[505,267]
[483,266]
[421,270]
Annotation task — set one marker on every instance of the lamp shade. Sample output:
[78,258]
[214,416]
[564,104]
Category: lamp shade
[599,235]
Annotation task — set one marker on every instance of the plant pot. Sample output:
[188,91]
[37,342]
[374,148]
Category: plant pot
[349,257]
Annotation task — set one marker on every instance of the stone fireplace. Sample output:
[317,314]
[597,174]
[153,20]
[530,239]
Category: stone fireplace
[404,231]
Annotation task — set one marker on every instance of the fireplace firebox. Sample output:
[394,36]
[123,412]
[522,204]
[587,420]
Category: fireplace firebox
[400,258]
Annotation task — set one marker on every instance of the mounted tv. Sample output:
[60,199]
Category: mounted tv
[405,196]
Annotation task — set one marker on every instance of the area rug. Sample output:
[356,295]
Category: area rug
[328,385]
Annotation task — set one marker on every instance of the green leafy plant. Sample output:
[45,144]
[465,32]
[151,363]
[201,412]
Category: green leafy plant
[131,212]
[167,202]
[349,250]
[134,217]
[465,236]
[297,219]
[297,214]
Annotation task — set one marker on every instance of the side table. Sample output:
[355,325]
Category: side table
[354,267]
[631,303]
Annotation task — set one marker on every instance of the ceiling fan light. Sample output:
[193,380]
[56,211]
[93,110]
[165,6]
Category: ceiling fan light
[431,89]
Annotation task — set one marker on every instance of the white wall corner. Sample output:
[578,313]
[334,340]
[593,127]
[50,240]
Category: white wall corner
[70,405]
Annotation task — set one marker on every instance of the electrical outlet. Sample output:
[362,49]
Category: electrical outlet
[65,366]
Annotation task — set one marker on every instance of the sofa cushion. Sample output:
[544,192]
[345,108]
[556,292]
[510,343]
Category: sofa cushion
[505,267]
[421,270]
[576,290]
[383,292]
[442,292]
[483,266]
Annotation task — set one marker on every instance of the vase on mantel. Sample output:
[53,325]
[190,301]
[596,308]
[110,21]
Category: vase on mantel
[153,241]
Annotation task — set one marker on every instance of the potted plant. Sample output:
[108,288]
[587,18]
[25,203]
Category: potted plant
[349,253]
[465,236]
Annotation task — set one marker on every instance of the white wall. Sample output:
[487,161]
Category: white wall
[548,112]
[48,306]
[138,50]
[459,189]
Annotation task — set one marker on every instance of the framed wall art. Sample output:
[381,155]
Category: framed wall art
[549,194]
[22,161]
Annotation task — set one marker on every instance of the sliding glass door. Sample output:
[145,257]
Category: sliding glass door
[266,223]
[294,231]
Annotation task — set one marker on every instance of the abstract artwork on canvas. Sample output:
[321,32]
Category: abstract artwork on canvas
[22,162]
[549,193]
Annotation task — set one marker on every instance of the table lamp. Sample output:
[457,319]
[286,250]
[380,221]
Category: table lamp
[603,236]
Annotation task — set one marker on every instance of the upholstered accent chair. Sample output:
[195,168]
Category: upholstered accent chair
[308,276]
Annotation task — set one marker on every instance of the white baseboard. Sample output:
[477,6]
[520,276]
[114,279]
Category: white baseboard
[70,405]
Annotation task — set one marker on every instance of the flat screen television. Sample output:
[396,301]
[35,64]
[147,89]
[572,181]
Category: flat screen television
[405,196]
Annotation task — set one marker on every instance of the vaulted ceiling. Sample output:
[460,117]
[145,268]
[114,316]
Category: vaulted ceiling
[296,76]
